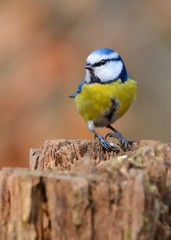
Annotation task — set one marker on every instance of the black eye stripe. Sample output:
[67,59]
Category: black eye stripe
[102,62]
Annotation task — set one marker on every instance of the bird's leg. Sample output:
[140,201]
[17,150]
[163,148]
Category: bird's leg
[118,135]
[104,142]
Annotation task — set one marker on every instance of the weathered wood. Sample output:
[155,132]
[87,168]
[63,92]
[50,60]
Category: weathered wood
[61,154]
[74,194]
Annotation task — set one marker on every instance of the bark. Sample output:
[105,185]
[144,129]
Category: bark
[75,190]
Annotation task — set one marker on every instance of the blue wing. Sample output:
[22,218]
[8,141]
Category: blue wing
[78,90]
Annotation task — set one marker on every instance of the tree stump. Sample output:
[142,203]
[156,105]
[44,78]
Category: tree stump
[75,190]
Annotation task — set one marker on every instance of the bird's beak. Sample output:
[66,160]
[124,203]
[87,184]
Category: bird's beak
[88,66]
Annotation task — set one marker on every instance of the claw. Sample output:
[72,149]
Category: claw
[123,141]
[104,142]
[109,147]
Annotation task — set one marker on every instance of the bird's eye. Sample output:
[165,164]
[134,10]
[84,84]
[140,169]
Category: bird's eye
[102,62]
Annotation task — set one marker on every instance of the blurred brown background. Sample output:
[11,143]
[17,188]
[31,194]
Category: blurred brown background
[43,47]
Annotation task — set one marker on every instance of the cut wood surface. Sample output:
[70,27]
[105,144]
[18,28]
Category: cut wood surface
[62,154]
[76,190]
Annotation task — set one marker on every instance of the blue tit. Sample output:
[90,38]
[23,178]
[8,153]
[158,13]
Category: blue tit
[105,94]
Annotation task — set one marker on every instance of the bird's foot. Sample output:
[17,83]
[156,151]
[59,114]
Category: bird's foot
[118,135]
[105,144]
[108,146]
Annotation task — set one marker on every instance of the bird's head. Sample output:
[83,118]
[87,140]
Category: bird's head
[105,65]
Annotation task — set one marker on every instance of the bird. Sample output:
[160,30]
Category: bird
[105,94]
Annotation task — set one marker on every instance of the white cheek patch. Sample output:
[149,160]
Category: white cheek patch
[88,76]
[109,71]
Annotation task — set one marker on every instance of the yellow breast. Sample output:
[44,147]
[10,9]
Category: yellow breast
[95,99]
